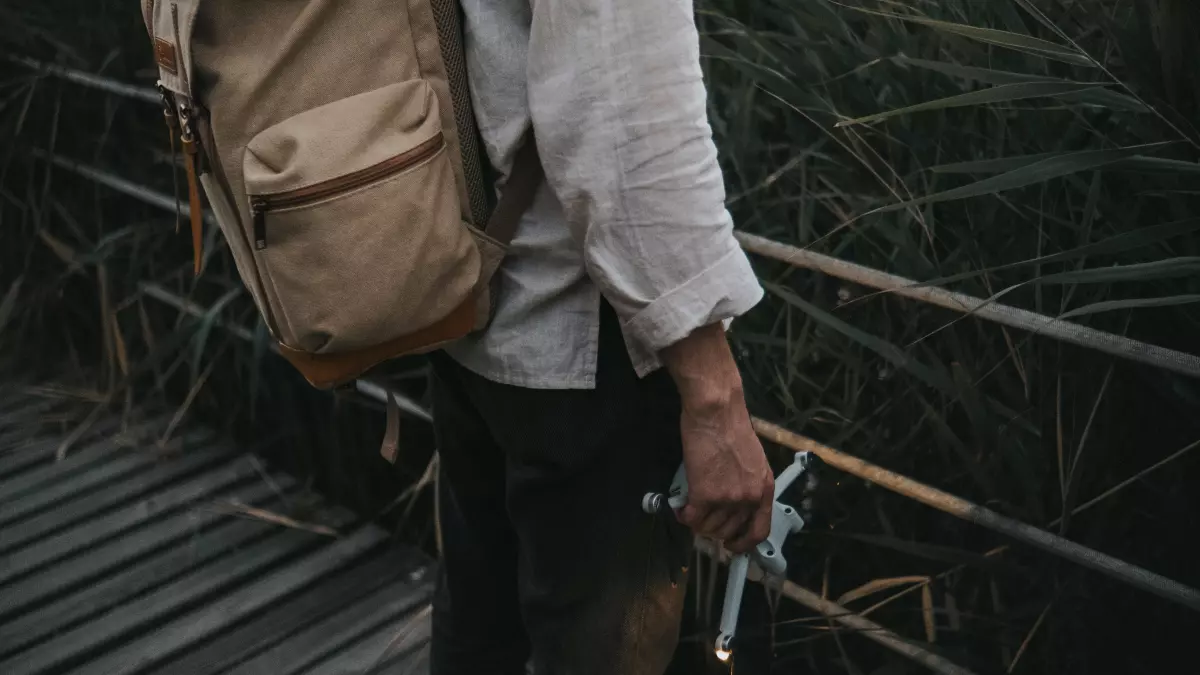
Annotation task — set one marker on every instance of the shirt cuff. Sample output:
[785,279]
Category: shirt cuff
[726,289]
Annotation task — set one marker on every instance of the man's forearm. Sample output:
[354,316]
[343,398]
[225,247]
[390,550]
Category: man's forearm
[730,486]
[704,370]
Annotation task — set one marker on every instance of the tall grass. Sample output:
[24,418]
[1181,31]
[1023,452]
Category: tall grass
[1044,150]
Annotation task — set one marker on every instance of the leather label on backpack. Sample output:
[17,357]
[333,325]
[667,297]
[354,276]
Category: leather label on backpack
[164,54]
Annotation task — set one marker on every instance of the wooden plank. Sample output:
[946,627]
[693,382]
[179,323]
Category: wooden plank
[19,437]
[12,392]
[132,582]
[213,582]
[63,505]
[411,663]
[416,664]
[30,421]
[23,415]
[23,561]
[138,655]
[55,580]
[337,631]
[45,423]
[391,644]
[42,450]
[77,485]
[81,460]
[345,590]
[122,479]
[111,564]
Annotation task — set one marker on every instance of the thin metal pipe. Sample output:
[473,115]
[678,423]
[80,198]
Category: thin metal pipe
[87,79]
[379,393]
[366,387]
[192,309]
[1133,575]
[839,614]
[1116,345]
[115,182]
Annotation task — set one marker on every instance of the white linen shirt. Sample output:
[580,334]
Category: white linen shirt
[633,203]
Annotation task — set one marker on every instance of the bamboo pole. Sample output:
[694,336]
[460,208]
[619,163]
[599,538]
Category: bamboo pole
[839,614]
[1014,317]
[961,508]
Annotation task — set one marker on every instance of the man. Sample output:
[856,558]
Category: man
[606,362]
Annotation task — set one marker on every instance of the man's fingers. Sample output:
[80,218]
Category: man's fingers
[688,515]
[701,517]
[760,526]
[733,526]
[714,522]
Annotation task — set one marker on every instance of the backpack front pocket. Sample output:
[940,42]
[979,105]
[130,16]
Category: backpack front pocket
[357,223]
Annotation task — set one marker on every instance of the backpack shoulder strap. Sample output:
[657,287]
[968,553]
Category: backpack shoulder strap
[518,193]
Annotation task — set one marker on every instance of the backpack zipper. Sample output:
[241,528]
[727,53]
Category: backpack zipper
[262,203]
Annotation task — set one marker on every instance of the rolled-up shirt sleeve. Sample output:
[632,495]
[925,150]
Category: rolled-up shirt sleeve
[619,110]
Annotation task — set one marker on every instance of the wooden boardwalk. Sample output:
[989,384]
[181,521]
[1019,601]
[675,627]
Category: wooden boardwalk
[190,557]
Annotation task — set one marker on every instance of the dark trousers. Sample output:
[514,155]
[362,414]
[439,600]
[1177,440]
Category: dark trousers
[547,552]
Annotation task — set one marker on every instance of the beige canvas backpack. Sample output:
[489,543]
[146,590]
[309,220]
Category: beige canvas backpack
[336,145]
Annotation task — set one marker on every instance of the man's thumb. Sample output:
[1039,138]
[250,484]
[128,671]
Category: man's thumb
[687,515]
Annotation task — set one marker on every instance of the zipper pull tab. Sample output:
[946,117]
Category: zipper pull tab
[190,149]
[258,208]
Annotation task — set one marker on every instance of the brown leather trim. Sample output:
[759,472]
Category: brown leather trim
[197,218]
[164,54]
[326,371]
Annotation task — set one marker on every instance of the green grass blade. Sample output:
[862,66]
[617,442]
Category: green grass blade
[1001,164]
[1041,171]
[1142,163]
[261,342]
[1134,303]
[887,350]
[1121,243]
[974,73]
[9,304]
[1171,268]
[999,94]
[1101,96]
[762,75]
[996,165]
[992,36]
[205,329]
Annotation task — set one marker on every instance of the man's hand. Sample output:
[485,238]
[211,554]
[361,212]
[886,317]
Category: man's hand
[730,485]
